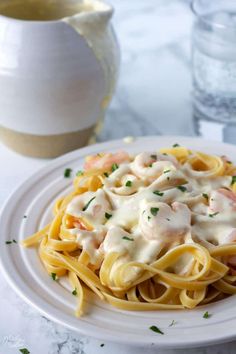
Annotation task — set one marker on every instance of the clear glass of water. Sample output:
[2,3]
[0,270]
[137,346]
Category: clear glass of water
[214,69]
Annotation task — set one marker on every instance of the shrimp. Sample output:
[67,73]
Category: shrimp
[222,200]
[91,205]
[159,221]
[105,161]
[78,223]
[150,166]
[230,238]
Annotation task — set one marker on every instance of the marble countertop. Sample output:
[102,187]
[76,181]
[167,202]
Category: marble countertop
[153,97]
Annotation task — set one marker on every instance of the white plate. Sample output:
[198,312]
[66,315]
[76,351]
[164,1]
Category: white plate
[27,276]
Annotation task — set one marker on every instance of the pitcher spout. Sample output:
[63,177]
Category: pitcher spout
[92,14]
[92,23]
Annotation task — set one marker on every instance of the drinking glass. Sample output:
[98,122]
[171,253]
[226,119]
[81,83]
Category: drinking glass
[214,69]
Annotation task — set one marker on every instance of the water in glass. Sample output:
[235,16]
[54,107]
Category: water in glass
[214,75]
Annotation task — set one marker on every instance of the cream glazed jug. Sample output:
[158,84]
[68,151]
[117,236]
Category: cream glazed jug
[59,62]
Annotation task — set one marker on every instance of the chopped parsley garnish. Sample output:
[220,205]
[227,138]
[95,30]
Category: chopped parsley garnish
[164,153]
[150,165]
[156,329]
[67,172]
[154,157]
[230,162]
[24,351]
[154,211]
[102,345]
[149,217]
[182,188]
[166,171]
[172,323]
[128,184]
[233,180]
[106,174]
[176,145]
[212,215]
[10,242]
[114,167]
[206,315]
[108,216]
[54,276]
[127,238]
[205,196]
[167,219]
[158,193]
[79,173]
[87,205]
[74,292]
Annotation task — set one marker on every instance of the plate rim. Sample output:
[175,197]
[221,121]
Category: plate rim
[51,165]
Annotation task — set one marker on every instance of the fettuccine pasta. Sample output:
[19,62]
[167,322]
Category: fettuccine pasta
[153,231]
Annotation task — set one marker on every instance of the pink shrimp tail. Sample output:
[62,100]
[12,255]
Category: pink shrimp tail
[106,161]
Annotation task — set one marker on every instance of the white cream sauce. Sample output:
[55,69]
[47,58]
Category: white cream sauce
[91,205]
[161,207]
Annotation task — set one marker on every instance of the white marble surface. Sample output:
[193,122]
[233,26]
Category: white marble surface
[153,96]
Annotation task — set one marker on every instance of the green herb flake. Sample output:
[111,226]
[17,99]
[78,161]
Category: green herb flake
[175,145]
[160,194]
[108,216]
[14,241]
[156,329]
[87,205]
[154,211]
[172,323]
[79,173]
[24,351]
[165,154]
[74,292]
[114,167]
[150,165]
[166,171]
[167,219]
[233,180]
[106,174]
[149,218]
[206,315]
[25,217]
[229,162]
[102,345]
[212,215]
[127,238]
[67,172]
[128,184]
[205,196]
[8,242]
[154,157]
[54,276]
[182,188]
[168,178]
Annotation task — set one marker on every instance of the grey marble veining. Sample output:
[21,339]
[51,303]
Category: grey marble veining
[153,97]
[155,46]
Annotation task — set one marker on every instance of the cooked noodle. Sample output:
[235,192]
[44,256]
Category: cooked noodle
[153,231]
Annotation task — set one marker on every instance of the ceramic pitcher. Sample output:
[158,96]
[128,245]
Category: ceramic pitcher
[59,61]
